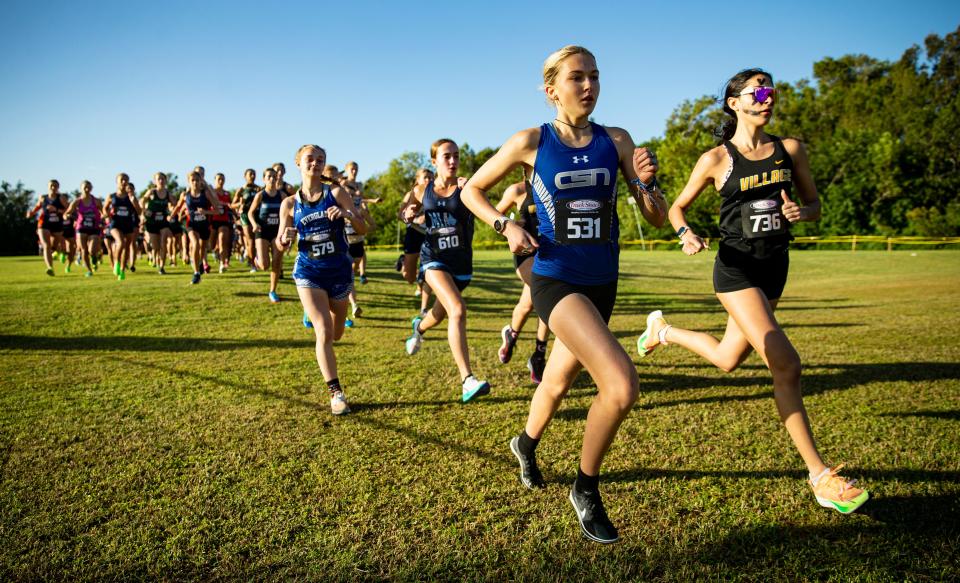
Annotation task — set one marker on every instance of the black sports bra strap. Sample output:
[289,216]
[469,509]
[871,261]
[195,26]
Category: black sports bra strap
[731,149]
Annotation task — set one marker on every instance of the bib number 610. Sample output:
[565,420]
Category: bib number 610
[448,242]
[583,228]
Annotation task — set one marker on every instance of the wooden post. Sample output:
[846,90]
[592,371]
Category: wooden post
[889,243]
[853,246]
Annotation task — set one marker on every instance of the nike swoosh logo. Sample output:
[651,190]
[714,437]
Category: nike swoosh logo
[778,162]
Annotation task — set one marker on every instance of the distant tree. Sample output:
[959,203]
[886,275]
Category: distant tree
[19,232]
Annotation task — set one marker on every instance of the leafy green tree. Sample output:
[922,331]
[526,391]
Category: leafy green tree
[19,232]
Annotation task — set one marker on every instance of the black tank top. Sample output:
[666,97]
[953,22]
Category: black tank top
[449,225]
[122,210]
[751,219]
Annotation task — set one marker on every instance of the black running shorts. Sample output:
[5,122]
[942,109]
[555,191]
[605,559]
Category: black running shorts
[356,250]
[734,271]
[547,293]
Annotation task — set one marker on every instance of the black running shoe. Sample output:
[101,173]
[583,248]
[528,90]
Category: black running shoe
[399,264]
[593,517]
[536,363]
[529,472]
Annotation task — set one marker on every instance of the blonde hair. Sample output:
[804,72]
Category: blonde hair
[193,175]
[303,148]
[351,164]
[330,170]
[421,172]
[552,65]
[436,146]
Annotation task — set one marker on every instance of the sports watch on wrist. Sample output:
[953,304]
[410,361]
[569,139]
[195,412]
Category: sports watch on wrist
[500,224]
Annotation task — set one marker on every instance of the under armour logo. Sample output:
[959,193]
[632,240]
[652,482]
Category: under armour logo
[578,159]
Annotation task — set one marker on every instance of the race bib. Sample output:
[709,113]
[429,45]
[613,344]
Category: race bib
[583,221]
[199,216]
[123,211]
[447,238]
[87,222]
[317,245]
[158,216]
[762,218]
[53,218]
[273,220]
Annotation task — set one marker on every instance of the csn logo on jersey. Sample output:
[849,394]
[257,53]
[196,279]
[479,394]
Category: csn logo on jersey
[582,178]
[584,205]
[762,205]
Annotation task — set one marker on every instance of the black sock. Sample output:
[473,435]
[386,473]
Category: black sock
[333,386]
[586,483]
[541,346]
[526,444]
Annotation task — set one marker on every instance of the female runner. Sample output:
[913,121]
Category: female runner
[87,208]
[156,208]
[519,195]
[323,270]
[355,239]
[220,224]
[121,208]
[198,203]
[50,222]
[447,260]
[413,240]
[69,235]
[242,199]
[755,173]
[572,164]
[264,215]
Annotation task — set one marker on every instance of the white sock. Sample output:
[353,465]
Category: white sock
[662,334]
[815,479]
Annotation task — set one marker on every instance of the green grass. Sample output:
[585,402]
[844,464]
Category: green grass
[153,429]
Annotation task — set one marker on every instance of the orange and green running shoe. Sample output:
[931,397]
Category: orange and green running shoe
[834,491]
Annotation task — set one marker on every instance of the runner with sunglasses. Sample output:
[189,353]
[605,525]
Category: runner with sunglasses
[323,271]
[446,260]
[572,164]
[519,195]
[755,174]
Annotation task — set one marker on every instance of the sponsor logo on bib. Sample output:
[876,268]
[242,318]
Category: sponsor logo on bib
[584,205]
[762,205]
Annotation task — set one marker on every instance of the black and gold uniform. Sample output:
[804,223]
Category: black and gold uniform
[754,235]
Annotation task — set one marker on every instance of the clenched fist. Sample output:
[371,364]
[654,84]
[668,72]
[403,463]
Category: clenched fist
[645,164]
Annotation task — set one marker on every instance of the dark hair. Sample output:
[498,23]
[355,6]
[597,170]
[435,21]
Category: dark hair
[734,86]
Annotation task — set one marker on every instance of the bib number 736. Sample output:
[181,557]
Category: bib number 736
[765,223]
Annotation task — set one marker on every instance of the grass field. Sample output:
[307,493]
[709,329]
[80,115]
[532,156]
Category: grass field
[153,429]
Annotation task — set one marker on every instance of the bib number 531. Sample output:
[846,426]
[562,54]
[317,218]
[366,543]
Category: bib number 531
[583,227]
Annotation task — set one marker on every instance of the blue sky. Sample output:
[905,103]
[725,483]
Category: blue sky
[94,88]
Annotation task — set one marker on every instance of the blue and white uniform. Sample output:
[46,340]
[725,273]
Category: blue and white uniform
[322,258]
[448,245]
[575,190]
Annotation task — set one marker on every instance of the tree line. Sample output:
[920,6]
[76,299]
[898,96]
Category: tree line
[880,135]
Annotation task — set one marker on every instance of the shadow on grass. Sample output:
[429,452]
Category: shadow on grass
[953,415]
[867,474]
[909,538]
[141,343]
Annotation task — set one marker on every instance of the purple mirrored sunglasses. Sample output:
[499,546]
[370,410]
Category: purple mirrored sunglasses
[760,94]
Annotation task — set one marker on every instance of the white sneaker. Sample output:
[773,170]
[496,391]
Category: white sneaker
[413,343]
[474,387]
[338,404]
[416,339]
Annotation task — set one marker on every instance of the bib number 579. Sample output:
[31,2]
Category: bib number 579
[583,228]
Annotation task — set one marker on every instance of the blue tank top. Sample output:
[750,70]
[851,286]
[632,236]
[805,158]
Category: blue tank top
[122,210]
[269,210]
[449,232]
[195,208]
[575,190]
[322,243]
